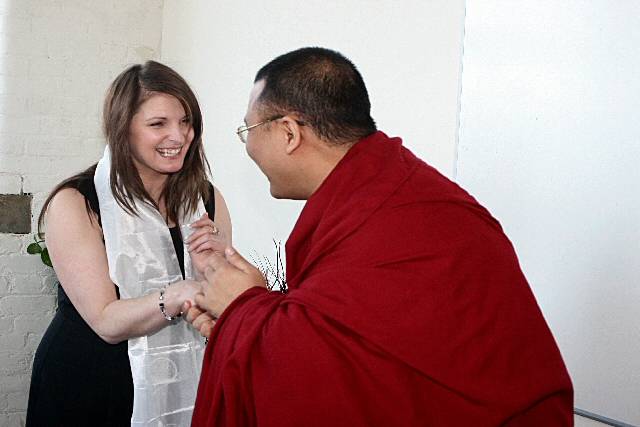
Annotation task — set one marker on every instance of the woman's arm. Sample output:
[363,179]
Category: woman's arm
[80,262]
[201,246]
[202,243]
[222,217]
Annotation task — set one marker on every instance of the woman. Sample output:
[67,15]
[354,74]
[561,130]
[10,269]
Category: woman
[114,237]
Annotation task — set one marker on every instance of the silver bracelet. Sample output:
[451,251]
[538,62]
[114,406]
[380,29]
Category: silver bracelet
[162,309]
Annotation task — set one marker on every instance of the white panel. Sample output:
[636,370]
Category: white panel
[408,52]
[550,143]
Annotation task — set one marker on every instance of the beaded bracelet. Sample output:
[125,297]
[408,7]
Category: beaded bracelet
[162,309]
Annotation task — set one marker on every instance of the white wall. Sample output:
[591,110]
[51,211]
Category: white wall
[56,61]
[408,53]
[550,143]
[57,57]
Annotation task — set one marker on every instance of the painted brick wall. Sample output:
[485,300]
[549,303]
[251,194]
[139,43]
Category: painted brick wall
[56,61]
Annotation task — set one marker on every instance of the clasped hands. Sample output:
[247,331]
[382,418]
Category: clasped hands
[221,273]
[226,275]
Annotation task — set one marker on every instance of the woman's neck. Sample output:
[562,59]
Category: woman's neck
[154,187]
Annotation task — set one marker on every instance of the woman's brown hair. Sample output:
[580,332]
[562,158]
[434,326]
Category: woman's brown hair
[125,95]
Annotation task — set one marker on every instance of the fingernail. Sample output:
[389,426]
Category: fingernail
[229,251]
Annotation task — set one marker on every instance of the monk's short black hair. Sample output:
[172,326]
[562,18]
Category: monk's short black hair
[323,87]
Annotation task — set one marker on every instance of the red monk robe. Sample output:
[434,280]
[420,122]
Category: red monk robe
[407,307]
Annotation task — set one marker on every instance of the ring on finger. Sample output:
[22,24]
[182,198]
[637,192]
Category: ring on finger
[214,230]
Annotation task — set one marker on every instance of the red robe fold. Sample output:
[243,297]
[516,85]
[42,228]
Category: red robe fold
[407,307]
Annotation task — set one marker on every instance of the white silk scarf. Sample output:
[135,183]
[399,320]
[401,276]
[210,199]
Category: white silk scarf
[142,259]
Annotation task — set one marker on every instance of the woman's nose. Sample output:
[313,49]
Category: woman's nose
[178,133]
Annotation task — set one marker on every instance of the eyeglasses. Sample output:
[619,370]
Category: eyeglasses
[241,132]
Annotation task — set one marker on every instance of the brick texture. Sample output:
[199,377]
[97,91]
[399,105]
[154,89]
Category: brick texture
[56,61]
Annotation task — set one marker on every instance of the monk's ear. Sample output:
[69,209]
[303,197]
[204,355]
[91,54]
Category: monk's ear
[291,133]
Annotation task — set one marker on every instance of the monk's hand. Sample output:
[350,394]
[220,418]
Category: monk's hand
[200,320]
[227,277]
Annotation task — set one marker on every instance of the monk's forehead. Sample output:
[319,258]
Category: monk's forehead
[254,96]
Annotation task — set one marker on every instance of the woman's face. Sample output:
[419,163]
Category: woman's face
[160,135]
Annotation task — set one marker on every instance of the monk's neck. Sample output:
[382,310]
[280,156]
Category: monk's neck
[322,165]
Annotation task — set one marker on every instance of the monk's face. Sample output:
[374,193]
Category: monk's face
[266,145]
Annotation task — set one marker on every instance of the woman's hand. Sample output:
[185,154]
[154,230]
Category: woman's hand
[178,293]
[204,240]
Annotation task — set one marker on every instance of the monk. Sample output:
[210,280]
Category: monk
[406,305]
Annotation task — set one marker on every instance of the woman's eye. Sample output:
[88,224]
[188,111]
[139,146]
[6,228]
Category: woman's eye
[155,124]
[186,120]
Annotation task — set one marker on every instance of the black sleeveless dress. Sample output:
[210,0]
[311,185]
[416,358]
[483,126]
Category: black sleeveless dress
[78,379]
